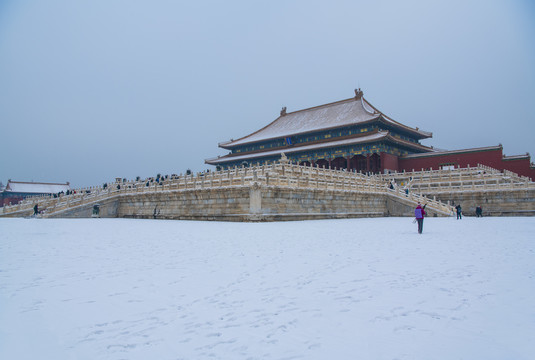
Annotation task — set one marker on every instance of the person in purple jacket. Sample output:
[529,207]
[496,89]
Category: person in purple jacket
[419,213]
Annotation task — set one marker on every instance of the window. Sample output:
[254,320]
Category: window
[448,166]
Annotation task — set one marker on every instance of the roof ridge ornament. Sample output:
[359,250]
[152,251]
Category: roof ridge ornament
[358,94]
[283,111]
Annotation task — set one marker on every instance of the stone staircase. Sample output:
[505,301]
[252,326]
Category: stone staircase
[478,178]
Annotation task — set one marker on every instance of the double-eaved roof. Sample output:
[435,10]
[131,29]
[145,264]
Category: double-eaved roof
[353,111]
[367,138]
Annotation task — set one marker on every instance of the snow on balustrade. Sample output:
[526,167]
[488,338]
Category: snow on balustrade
[480,178]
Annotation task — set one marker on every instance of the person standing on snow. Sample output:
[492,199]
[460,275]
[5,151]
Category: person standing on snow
[459,212]
[419,213]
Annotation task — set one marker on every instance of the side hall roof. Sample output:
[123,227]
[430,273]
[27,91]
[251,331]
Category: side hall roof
[353,111]
[35,187]
[452,152]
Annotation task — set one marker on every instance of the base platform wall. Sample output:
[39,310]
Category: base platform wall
[254,203]
[493,203]
[278,203]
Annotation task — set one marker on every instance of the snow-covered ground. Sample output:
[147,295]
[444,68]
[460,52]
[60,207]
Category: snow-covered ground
[330,289]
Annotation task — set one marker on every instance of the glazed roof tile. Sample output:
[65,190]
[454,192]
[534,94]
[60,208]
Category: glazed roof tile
[347,112]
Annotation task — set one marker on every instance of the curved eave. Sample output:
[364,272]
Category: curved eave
[229,145]
[378,136]
[366,111]
[363,113]
[418,134]
[224,144]
[296,133]
[415,146]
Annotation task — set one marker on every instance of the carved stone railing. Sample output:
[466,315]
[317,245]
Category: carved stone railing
[480,178]
[281,174]
[414,198]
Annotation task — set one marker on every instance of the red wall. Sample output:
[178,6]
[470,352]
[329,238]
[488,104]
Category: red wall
[492,158]
[389,162]
[489,157]
[6,199]
[519,166]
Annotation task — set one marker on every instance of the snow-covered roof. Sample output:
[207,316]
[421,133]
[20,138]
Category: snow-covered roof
[35,187]
[517,157]
[347,112]
[322,145]
[446,152]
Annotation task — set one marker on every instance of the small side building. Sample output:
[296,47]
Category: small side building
[16,191]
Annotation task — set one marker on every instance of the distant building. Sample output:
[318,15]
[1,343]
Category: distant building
[16,191]
[352,134]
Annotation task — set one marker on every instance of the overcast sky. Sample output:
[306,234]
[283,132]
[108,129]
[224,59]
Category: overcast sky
[93,90]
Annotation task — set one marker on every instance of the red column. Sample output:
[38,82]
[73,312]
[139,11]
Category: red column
[329,160]
[367,162]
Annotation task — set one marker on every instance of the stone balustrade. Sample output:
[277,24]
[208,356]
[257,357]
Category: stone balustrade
[277,175]
[479,178]
[407,186]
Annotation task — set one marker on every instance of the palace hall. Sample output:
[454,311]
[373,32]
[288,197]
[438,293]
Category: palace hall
[353,134]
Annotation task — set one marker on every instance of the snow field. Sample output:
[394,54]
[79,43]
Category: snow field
[329,289]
